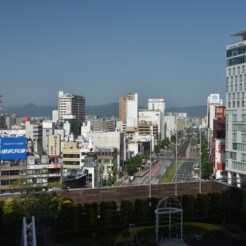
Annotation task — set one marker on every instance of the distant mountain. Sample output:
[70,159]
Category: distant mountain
[192,111]
[30,110]
[103,110]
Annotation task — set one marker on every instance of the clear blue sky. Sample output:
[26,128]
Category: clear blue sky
[103,49]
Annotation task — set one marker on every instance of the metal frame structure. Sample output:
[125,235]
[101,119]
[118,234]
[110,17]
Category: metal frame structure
[28,233]
[169,219]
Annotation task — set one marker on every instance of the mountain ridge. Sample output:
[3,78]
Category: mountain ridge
[104,110]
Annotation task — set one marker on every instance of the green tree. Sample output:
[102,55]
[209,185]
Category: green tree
[12,221]
[157,148]
[207,168]
[132,164]
[165,143]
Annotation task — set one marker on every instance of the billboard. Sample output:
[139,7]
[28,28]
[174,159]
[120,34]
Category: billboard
[12,148]
[220,112]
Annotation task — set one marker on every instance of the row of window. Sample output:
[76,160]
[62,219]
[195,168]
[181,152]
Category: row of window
[234,70]
[236,51]
[235,79]
[243,137]
[236,61]
[236,87]
[11,172]
[234,96]
[239,127]
[239,166]
[235,104]
[239,146]
[71,156]
[71,163]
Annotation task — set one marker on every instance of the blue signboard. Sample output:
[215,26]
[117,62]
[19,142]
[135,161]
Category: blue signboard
[13,148]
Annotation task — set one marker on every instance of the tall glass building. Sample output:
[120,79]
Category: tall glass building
[236,111]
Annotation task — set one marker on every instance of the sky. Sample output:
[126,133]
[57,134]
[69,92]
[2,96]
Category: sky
[171,49]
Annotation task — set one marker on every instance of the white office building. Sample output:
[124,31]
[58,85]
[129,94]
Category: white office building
[170,125]
[34,133]
[236,111]
[213,100]
[156,118]
[48,129]
[70,107]
[132,110]
[157,104]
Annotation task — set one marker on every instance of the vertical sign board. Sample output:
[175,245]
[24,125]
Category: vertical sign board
[12,148]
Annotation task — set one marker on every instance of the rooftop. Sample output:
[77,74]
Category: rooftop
[241,33]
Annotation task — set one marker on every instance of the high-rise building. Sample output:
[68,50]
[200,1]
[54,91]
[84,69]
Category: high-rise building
[236,111]
[157,105]
[128,111]
[70,107]
[213,101]
[34,133]
[131,110]
[122,109]
[156,118]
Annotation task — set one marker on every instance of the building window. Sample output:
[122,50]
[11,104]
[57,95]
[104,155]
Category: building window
[243,137]
[4,182]
[242,103]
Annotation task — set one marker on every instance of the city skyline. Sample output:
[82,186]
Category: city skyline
[105,49]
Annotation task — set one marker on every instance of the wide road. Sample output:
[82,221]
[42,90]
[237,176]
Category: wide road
[155,173]
[185,171]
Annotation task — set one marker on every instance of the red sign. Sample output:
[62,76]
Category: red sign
[221,148]
[220,166]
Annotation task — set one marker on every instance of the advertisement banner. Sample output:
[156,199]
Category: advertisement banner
[12,148]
